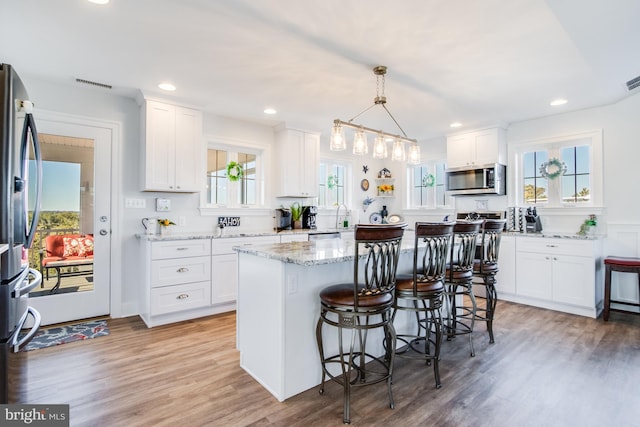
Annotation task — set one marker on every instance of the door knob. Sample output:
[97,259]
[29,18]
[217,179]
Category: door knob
[103,232]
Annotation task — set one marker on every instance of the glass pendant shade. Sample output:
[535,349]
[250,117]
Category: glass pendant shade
[380,148]
[338,141]
[360,146]
[414,154]
[397,154]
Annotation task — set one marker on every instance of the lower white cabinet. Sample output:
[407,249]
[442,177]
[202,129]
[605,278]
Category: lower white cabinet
[555,273]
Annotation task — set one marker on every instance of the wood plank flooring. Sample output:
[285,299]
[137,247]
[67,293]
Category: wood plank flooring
[545,369]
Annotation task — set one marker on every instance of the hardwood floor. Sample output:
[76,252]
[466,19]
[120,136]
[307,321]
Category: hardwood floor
[545,369]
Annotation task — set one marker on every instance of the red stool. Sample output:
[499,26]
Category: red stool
[624,265]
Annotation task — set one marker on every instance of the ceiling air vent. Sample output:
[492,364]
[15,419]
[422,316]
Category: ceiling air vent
[633,83]
[89,82]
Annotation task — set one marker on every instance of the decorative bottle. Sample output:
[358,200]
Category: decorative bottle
[384,213]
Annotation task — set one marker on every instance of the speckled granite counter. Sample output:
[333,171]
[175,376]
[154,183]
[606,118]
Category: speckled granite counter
[231,234]
[551,235]
[311,253]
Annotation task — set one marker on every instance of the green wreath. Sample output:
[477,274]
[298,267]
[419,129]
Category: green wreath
[428,180]
[234,171]
[553,169]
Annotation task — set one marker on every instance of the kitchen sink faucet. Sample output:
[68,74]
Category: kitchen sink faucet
[338,212]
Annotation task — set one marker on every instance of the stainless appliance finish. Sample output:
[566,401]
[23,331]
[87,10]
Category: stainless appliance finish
[283,219]
[19,144]
[485,179]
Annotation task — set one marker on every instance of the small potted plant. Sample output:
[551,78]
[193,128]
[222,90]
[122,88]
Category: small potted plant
[164,225]
[296,214]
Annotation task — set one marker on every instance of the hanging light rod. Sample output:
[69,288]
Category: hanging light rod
[349,124]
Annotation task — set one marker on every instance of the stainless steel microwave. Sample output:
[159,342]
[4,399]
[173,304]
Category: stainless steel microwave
[484,179]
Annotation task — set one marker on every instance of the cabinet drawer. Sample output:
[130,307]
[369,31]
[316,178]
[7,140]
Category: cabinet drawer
[170,299]
[180,270]
[180,248]
[555,246]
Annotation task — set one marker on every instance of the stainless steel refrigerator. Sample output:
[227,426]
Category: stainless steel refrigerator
[18,150]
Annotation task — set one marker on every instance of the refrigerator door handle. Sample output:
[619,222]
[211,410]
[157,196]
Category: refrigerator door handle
[30,127]
[32,284]
[18,343]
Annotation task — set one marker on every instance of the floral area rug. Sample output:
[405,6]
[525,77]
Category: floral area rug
[48,337]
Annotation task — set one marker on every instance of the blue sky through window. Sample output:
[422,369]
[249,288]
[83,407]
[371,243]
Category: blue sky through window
[60,186]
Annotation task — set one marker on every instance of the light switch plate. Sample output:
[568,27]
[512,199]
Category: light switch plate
[163,205]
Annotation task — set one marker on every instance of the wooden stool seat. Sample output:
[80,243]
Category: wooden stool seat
[622,265]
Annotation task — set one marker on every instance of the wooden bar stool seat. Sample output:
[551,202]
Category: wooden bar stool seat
[623,265]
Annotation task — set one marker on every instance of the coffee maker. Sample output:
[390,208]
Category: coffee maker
[283,219]
[309,217]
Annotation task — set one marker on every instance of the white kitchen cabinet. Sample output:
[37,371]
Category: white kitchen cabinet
[172,148]
[506,276]
[560,274]
[477,148]
[177,280]
[296,163]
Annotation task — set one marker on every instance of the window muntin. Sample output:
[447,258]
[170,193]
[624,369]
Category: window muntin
[536,186]
[576,182]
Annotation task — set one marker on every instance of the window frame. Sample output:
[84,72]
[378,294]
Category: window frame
[553,147]
[432,202]
[233,148]
[347,185]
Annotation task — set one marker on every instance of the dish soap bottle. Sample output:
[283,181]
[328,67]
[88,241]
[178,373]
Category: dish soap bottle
[384,213]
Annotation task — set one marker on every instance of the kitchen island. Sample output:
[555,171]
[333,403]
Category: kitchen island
[278,307]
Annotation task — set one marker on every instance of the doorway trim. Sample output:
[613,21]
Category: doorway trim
[115,129]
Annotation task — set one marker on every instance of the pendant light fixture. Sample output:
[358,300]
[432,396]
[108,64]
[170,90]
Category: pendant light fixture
[360,146]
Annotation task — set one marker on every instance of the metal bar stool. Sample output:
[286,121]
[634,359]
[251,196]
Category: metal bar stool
[486,267]
[422,293]
[623,265]
[359,307]
[458,282]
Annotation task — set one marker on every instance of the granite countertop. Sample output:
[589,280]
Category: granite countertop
[233,234]
[552,235]
[312,252]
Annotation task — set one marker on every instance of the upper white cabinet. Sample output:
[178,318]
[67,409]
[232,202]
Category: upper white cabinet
[477,148]
[296,163]
[172,148]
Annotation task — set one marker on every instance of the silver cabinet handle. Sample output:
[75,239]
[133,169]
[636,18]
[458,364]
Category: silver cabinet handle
[182,296]
[552,246]
[182,270]
[182,249]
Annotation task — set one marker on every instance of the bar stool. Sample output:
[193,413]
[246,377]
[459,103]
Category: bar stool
[421,293]
[458,282]
[623,265]
[485,267]
[359,307]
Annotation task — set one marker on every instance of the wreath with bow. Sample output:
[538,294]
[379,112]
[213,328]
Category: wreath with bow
[234,171]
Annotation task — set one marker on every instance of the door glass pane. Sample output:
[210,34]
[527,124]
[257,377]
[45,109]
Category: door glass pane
[63,246]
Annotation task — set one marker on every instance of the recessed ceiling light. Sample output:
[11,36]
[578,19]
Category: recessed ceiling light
[559,101]
[455,125]
[270,111]
[99,1]
[167,86]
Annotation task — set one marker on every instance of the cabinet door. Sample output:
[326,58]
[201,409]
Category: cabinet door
[574,280]
[224,283]
[309,160]
[485,147]
[459,150]
[534,275]
[159,144]
[506,277]
[189,150]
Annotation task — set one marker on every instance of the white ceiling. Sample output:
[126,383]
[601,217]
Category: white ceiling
[477,62]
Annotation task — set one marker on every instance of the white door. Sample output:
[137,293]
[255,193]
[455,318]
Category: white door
[93,191]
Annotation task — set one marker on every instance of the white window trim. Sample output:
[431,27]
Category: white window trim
[262,158]
[348,185]
[596,206]
[430,164]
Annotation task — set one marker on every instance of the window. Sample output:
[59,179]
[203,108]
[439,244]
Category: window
[223,192]
[332,180]
[560,172]
[426,183]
